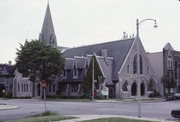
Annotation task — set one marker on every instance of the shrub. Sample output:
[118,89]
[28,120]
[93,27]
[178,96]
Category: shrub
[21,97]
[154,94]
[8,94]
[63,97]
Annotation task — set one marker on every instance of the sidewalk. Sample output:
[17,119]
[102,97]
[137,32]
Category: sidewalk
[90,117]
[7,107]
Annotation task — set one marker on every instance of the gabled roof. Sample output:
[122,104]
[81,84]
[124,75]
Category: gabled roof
[168,47]
[10,69]
[47,33]
[106,67]
[116,49]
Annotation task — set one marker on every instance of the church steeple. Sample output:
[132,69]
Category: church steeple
[47,34]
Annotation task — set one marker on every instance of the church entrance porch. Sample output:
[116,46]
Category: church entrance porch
[134,89]
[142,89]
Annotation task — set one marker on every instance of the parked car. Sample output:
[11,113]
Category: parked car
[175,113]
[177,96]
[174,96]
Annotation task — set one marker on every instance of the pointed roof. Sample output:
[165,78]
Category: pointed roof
[47,33]
[117,50]
[168,47]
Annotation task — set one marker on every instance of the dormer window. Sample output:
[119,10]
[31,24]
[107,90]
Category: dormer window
[64,74]
[170,63]
[75,72]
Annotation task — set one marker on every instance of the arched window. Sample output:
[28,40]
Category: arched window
[54,88]
[49,87]
[18,87]
[125,86]
[24,88]
[135,64]
[27,87]
[21,87]
[141,64]
[135,68]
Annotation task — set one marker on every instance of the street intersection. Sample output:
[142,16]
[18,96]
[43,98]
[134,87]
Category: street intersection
[150,109]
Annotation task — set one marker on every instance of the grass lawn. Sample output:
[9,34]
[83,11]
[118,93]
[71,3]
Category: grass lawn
[143,100]
[114,119]
[43,117]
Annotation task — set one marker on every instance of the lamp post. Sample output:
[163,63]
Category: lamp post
[138,61]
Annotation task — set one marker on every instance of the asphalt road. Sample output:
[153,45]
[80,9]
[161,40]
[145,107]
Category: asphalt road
[159,110]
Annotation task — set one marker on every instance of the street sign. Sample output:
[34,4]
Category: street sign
[105,91]
[43,84]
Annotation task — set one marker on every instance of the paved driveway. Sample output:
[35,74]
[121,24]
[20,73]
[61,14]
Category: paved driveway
[160,110]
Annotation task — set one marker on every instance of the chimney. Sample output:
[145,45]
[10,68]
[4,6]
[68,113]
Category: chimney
[9,63]
[104,53]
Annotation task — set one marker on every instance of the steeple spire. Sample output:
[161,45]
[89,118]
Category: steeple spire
[47,34]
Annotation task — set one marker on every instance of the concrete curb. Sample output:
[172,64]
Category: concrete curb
[90,117]
[7,107]
[116,101]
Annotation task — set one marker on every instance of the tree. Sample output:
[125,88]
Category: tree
[38,61]
[98,76]
[168,82]
[151,84]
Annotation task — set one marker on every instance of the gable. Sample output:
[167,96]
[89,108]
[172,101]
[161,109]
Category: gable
[129,59]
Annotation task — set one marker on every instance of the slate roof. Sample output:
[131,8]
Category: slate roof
[116,49]
[10,69]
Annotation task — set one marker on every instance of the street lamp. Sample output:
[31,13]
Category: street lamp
[138,60]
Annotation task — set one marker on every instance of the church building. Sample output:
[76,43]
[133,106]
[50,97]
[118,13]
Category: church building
[117,60]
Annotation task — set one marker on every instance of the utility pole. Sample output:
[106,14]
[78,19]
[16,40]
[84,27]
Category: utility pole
[92,78]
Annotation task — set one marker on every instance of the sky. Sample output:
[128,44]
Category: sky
[86,22]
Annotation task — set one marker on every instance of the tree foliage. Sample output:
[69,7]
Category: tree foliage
[168,82]
[98,76]
[38,61]
[151,84]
